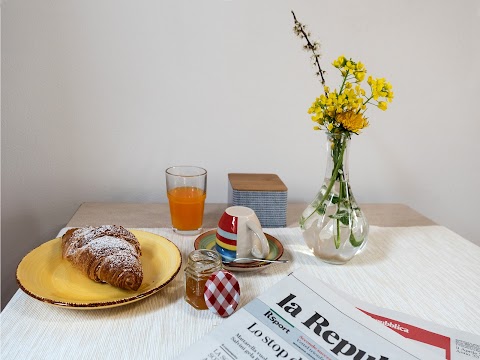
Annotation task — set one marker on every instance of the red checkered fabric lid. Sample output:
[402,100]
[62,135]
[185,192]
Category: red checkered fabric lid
[222,293]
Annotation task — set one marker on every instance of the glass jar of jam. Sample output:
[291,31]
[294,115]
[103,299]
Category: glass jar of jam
[200,265]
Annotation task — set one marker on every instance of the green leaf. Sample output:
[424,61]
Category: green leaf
[345,220]
[343,216]
[302,221]
[338,214]
[321,209]
[355,242]
[335,199]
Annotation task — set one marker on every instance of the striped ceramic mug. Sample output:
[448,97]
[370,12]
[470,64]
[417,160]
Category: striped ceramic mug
[240,235]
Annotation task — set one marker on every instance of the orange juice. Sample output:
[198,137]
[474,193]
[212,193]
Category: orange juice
[186,207]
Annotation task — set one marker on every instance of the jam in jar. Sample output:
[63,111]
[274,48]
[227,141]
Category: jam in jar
[200,265]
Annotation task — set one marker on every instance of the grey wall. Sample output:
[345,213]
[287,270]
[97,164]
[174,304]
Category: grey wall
[99,97]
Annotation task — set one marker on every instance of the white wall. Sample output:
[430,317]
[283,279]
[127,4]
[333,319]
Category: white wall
[99,97]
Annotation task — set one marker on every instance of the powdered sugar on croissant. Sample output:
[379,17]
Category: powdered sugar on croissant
[108,253]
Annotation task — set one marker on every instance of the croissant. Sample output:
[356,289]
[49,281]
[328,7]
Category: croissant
[108,253]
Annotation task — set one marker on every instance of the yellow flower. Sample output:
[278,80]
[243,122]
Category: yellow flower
[340,62]
[342,110]
[352,121]
[317,116]
[359,90]
[381,89]
[382,105]
[323,100]
[390,96]
[360,75]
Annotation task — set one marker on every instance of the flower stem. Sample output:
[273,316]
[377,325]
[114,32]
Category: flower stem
[343,83]
[337,239]
[366,101]
[338,165]
[341,196]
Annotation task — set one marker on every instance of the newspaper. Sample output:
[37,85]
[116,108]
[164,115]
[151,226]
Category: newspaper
[301,318]
[449,343]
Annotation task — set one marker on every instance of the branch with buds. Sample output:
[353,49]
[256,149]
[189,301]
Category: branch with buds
[314,47]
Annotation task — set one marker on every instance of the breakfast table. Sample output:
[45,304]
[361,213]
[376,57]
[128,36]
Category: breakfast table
[410,264]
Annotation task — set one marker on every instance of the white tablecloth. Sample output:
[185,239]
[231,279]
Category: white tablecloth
[428,272]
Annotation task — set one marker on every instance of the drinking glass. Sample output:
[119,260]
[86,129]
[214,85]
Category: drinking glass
[186,192]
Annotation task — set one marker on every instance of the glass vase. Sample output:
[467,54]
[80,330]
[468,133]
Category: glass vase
[333,225]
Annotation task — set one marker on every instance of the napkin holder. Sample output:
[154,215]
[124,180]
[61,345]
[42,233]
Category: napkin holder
[266,194]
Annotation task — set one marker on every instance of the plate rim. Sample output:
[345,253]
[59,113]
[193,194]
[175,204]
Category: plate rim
[100,304]
[249,265]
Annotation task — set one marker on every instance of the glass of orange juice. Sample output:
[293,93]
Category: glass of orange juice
[186,192]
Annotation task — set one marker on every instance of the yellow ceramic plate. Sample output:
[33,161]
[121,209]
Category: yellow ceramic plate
[44,275]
